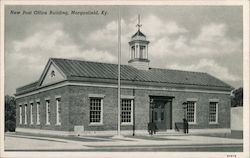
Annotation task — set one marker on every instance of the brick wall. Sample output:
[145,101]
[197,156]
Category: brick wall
[63,92]
[75,108]
[79,113]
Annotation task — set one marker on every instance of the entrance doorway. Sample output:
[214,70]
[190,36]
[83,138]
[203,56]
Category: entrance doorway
[161,112]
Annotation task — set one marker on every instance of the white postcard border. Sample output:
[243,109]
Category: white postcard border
[246,119]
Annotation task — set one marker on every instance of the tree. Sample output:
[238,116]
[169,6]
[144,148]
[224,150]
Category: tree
[237,97]
[10,113]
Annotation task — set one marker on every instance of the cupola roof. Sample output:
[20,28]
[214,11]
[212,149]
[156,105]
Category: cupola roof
[138,33]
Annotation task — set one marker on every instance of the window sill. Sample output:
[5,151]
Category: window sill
[192,123]
[126,124]
[213,123]
[96,124]
[58,124]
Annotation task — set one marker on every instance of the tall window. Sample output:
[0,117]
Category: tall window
[96,110]
[156,115]
[213,112]
[127,111]
[136,52]
[191,112]
[162,115]
[142,50]
[20,115]
[133,52]
[25,114]
[47,112]
[58,111]
[37,113]
[31,113]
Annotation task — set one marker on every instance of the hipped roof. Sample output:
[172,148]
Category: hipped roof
[79,70]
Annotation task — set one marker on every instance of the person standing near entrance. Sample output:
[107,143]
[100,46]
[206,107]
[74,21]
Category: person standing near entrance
[185,126]
[152,128]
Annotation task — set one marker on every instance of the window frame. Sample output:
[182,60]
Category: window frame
[25,114]
[38,105]
[132,52]
[101,115]
[58,104]
[20,114]
[31,112]
[216,114]
[131,112]
[48,111]
[195,111]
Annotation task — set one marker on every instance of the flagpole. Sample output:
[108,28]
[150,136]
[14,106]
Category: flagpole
[119,74]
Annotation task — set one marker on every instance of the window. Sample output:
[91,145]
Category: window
[142,50]
[31,113]
[96,110]
[191,112]
[47,112]
[58,111]
[133,52]
[25,114]
[37,113]
[213,112]
[127,111]
[156,116]
[20,115]
[162,115]
[52,74]
[136,52]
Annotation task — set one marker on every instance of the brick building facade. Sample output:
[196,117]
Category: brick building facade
[74,94]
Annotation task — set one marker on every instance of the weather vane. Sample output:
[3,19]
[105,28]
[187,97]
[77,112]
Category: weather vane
[139,25]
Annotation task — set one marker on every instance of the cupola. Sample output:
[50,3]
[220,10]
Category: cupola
[138,46]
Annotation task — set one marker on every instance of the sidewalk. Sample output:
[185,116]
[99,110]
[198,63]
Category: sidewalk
[36,142]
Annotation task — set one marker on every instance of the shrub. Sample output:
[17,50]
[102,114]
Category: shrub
[10,113]
[10,126]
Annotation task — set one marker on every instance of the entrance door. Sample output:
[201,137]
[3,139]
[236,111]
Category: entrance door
[161,113]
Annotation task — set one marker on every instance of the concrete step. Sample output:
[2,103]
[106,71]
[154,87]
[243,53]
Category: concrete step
[170,132]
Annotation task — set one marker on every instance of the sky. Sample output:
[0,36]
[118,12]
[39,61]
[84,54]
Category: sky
[193,38]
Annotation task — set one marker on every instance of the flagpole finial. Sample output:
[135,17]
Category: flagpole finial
[139,22]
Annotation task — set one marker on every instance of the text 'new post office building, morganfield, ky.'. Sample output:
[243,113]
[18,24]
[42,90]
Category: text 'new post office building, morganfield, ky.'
[82,96]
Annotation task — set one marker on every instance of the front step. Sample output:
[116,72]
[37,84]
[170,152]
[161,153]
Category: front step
[170,132]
